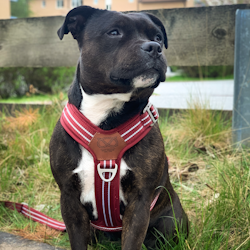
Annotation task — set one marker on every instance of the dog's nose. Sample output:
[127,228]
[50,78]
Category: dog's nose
[152,48]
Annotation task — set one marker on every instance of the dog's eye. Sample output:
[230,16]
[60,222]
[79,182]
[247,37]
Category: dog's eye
[158,38]
[114,33]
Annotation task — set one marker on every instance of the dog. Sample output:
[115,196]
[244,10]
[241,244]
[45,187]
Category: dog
[121,62]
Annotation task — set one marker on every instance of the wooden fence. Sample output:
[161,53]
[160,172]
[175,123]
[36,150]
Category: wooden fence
[197,36]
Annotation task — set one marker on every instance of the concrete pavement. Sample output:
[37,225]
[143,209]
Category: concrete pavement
[216,95]
[13,242]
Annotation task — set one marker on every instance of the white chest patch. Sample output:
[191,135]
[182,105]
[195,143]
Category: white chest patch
[96,108]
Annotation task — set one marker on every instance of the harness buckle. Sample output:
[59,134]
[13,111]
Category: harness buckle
[150,113]
[113,171]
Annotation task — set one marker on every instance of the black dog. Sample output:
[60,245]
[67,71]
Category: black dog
[120,64]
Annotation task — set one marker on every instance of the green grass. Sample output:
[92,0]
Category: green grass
[33,98]
[211,178]
[186,78]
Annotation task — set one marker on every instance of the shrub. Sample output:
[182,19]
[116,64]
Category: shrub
[208,71]
[49,80]
[16,81]
[12,82]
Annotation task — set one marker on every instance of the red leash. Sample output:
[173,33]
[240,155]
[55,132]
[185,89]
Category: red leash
[35,215]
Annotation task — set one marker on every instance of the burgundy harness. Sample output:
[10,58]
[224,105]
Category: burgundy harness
[107,148]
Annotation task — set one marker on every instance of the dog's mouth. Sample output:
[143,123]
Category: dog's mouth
[156,84]
[120,81]
[150,78]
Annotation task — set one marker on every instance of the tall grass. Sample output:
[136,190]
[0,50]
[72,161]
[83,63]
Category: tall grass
[212,180]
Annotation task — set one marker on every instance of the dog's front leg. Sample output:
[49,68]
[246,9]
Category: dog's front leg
[77,222]
[135,224]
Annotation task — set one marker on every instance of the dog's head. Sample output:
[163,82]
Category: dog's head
[118,52]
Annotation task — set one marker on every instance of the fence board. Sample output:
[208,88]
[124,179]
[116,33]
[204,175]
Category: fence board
[197,36]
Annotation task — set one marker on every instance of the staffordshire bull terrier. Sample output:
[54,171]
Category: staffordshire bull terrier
[120,157]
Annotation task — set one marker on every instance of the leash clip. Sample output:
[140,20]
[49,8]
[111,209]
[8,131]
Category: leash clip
[150,113]
[113,171]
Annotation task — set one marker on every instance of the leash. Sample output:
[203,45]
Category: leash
[41,218]
[35,215]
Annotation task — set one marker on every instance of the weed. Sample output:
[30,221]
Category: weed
[22,121]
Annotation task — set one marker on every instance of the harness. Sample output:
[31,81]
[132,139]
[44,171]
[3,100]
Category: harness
[107,148]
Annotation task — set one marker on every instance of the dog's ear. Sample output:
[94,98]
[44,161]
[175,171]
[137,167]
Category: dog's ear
[75,21]
[158,22]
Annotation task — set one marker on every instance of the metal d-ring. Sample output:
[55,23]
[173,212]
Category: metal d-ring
[113,171]
[150,113]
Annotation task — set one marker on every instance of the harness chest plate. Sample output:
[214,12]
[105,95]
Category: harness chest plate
[107,146]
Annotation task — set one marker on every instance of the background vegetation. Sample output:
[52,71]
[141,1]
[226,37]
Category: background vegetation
[16,82]
[208,71]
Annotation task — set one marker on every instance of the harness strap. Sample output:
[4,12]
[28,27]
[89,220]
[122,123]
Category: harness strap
[107,197]
[82,130]
[107,148]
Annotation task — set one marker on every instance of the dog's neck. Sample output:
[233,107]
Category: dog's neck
[98,107]
[105,111]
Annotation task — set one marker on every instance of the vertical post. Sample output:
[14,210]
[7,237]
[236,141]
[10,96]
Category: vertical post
[241,109]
